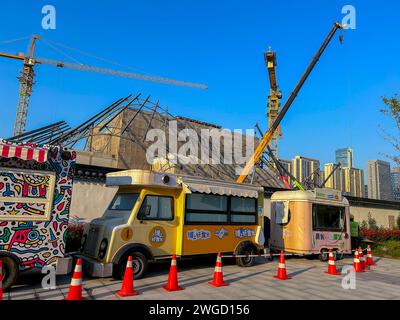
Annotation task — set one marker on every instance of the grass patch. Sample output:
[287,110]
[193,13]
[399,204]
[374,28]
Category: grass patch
[390,248]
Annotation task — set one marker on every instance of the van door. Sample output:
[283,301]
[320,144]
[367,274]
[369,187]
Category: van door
[157,224]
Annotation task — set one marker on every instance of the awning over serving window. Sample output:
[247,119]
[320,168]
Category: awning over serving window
[22,151]
[221,187]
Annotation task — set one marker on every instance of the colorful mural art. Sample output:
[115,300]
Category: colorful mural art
[35,198]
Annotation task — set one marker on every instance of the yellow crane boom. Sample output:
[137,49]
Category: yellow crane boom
[266,139]
[27,79]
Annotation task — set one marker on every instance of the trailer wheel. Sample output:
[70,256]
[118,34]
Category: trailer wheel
[246,261]
[324,255]
[10,272]
[140,264]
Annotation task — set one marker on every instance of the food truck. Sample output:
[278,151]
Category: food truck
[155,215]
[35,198]
[310,222]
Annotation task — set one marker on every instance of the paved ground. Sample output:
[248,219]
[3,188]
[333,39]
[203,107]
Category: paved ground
[309,282]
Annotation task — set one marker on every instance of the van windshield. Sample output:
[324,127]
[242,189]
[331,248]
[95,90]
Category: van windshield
[123,201]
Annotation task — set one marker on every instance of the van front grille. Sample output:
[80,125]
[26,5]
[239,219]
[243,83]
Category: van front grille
[92,240]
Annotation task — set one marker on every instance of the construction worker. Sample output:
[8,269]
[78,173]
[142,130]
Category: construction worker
[354,232]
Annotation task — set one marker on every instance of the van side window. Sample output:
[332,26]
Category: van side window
[243,210]
[218,209]
[206,208]
[157,208]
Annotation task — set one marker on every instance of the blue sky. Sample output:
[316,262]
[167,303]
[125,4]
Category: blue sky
[220,43]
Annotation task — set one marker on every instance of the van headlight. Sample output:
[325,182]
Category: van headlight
[103,248]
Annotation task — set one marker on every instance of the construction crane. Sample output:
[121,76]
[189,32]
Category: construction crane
[26,79]
[283,173]
[266,139]
[273,99]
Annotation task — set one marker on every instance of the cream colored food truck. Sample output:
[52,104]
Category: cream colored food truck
[154,215]
[310,222]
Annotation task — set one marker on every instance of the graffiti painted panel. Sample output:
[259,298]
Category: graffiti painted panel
[16,209]
[24,185]
[36,242]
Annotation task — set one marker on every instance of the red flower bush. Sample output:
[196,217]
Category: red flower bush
[381,235]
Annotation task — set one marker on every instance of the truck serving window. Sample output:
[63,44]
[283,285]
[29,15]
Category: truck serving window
[157,208]
[218,209]
[328,218]
[123,201]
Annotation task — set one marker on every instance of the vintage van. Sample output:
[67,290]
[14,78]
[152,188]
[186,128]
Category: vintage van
[35,198]
[155,215]
[310,222]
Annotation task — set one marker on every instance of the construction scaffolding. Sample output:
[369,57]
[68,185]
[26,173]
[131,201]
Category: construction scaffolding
[121,130]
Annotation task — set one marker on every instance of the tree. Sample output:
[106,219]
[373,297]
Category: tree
[392,109]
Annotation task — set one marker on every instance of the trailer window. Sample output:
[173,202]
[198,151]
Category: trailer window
[157,208]
[282,212]
[123,201]
[328,218]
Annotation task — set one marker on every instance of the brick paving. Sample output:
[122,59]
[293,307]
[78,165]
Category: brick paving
[308,282]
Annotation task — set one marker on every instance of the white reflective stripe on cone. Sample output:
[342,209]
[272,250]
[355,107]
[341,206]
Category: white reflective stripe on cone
[218,269]
[357,260]
[129,264]
[76,282]
[173,262]
[78,268]
[281,265]
[331,262]
[219,259]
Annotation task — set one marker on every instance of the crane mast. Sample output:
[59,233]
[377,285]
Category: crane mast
[273,99]
[25,89]
[266,139]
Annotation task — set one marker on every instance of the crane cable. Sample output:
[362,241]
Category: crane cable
[95,57]
[60,51]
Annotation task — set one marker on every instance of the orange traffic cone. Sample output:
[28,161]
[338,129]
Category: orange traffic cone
[127,289]
[75,289]
[281,275]
[1,280]
[362,259]
[357,264]
[172,284]
[218,275]
[331,265]
[370,260]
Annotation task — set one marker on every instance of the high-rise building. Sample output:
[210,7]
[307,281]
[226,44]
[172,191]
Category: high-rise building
[335,181]
[366,191]
[395,180]
[287,164]
[353,182]
[306,169]
[379,186]
[345,157]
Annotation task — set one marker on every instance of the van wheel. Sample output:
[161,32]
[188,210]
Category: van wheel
[140,264]
[246,261]
[10,272]
[324,255]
